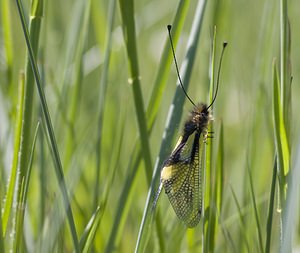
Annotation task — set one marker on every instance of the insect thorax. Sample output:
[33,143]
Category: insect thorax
[198,120]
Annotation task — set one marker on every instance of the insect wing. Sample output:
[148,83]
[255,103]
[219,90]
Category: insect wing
[181,178]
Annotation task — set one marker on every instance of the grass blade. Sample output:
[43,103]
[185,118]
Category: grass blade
[281,140]
[72,59]
[285,65]
[208,186]
[76,92]
[1,231]
[7,38]
[241,219]
[59,170]
[102,92]
[258,227]
[271,207]
[220,173]
[284,109]
[89,232]
[14,167]
[19,244]
[127,13]
[217,191]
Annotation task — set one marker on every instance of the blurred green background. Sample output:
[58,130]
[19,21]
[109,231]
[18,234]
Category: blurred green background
[71,58]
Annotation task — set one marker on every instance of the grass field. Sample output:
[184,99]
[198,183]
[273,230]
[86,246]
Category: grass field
[90,109]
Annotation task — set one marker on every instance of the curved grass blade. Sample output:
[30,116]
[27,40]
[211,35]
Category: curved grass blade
[174,116]
[14,167]
[58,167]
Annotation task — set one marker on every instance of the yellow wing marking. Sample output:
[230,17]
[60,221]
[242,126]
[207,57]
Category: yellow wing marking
[181,178]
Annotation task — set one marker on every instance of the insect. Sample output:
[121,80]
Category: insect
[181,172]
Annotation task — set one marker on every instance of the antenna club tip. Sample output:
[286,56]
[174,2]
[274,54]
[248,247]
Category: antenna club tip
[225,43]
[169,27]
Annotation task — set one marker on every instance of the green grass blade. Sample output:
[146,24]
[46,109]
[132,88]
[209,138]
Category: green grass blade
[1,231]
[285,65]
[58,167]
[285,103]
[228,238]
[127,13]
[271,208]
[19,243]
[220,173]
[53,233]
[89,232]
[280,135]
[102,92]
[124,200]
[43,180]
[208,184]
[175,238]
[242,221]
[76,92]
[258,226]
[217,191]
[72,59]
[88,236]
[14,167]
[7,39]
[175,113]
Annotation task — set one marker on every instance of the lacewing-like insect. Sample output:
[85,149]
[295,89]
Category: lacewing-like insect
[181,172]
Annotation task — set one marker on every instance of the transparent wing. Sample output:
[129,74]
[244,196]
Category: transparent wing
[181,178]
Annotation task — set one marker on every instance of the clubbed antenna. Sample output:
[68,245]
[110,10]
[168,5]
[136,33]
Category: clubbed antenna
[176,65]
[219,70]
